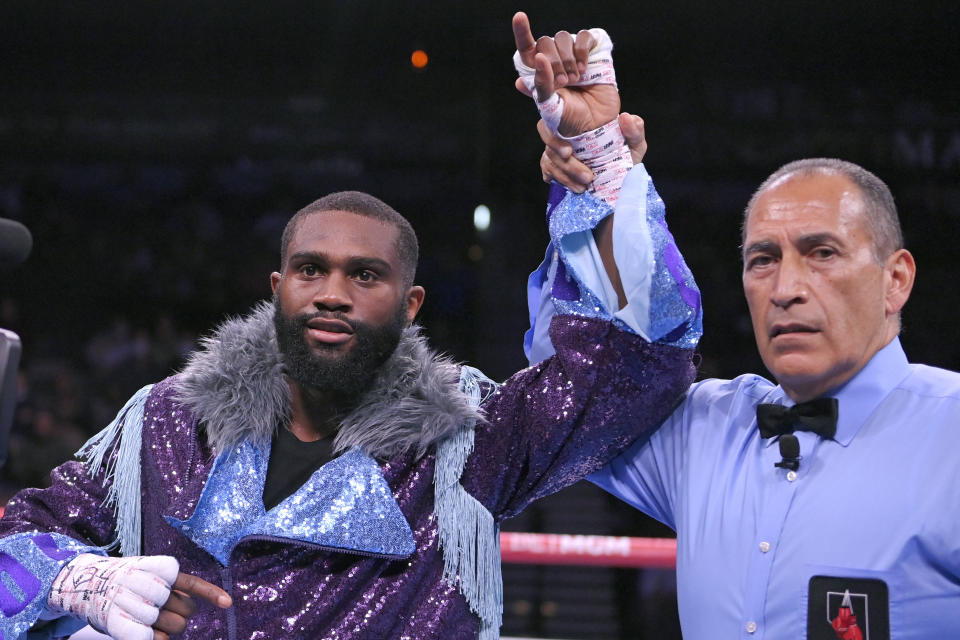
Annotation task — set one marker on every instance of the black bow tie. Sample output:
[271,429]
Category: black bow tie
[819,416]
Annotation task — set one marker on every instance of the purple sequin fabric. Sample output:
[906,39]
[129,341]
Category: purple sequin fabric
[546,427]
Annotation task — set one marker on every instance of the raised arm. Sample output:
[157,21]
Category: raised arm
[628,266]
[559,71]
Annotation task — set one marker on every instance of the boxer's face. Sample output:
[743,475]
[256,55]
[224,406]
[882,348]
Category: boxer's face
[341,300]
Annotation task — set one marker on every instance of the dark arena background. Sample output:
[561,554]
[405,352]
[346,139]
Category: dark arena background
[156,149]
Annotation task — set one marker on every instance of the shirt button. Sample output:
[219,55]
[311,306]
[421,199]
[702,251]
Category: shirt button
[791,476]
[764,546]
[751,627]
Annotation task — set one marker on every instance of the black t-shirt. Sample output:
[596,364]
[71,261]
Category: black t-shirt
[292,462]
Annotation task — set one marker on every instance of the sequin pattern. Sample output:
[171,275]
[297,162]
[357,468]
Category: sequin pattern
[545,427]
[345,505]
[557,421]
[677,312]
[573,215]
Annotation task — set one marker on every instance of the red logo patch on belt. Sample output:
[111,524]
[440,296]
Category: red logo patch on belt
[848,609]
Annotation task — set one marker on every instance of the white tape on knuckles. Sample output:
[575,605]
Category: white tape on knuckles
[599,71]
[121,596]
[603,149]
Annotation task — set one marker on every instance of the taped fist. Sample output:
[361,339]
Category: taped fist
[135,598]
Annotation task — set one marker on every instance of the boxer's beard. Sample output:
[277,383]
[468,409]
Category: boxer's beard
[330,370]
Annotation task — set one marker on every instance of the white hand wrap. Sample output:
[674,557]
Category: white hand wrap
[603,149]
[118,596]
[599,71]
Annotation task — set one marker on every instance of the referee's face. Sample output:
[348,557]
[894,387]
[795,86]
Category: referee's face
[821,303]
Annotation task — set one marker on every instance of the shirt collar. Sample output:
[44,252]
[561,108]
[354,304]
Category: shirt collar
[863,393]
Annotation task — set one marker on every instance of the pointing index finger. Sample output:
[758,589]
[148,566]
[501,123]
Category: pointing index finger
[523,37]
[194,586]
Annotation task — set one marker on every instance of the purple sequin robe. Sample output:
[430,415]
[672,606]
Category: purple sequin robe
[293,576]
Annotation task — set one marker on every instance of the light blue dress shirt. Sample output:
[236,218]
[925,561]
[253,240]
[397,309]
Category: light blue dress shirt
[879,501]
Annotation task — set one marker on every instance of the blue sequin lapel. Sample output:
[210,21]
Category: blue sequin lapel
[345,506]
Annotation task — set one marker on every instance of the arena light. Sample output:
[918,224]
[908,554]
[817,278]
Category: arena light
[419,59]
[481,217]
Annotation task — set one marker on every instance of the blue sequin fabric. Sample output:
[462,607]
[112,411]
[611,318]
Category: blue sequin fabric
[675,312]
[345,505]
[572,215]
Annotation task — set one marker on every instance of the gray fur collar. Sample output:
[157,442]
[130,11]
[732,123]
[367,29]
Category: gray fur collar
[235,386]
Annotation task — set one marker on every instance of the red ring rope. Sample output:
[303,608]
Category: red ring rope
[598,551]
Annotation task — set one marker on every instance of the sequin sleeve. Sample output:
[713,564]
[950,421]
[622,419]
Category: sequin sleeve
[663,302]
[555,422]
[42,530]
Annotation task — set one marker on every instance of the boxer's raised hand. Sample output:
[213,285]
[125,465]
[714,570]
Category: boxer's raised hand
[560,67]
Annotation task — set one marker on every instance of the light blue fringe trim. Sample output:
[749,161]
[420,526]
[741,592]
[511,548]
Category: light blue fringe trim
[122,471]
[469,537]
